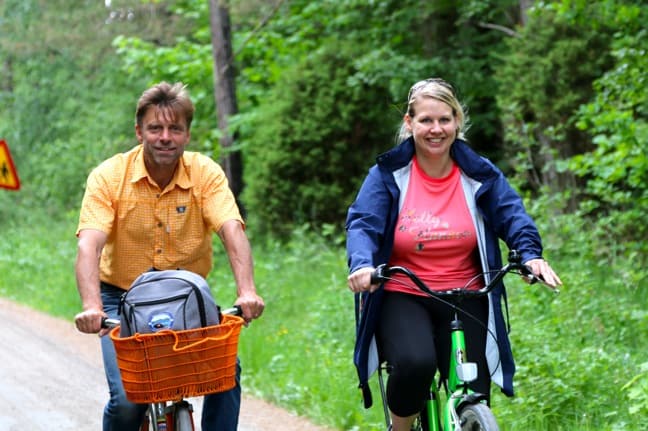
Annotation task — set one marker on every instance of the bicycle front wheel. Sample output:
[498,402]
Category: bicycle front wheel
[182,419]
[477,417]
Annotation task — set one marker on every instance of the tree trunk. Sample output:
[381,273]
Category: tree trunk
[225,91]
[524,7]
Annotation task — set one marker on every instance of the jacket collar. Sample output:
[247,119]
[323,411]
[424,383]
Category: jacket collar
[471,163]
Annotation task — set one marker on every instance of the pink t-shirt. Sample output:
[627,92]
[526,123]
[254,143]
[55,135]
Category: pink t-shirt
[435,236]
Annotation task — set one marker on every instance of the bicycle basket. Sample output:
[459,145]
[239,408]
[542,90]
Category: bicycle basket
[169,365]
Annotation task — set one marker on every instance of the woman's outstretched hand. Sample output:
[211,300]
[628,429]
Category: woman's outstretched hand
[543,270]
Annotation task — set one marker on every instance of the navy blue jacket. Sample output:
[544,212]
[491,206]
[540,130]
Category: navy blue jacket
[498,213]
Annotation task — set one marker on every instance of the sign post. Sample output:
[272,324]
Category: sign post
[8,174]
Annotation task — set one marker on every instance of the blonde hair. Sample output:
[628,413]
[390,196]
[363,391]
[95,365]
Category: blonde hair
[435,88]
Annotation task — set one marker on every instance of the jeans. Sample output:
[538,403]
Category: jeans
[220,411]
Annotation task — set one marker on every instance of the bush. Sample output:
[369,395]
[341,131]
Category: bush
[311,144]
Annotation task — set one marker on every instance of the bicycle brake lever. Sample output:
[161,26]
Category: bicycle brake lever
[531,278]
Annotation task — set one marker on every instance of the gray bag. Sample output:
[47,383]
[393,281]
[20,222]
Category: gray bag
[171,299]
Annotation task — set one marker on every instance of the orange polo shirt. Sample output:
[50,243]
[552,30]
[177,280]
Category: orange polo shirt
[152,228]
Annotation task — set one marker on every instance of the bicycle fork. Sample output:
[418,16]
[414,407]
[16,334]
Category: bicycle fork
[157,416]
[434,417]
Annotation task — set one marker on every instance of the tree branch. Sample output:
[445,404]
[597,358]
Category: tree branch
[258,28]
[498,27]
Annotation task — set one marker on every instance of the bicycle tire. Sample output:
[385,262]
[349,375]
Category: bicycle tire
[477,417]
[182,419]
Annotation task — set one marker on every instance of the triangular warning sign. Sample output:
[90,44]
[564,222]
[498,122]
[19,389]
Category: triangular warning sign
[8,174]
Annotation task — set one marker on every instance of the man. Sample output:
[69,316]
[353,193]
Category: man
[156,206]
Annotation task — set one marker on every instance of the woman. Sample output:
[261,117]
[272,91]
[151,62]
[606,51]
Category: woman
[435,206]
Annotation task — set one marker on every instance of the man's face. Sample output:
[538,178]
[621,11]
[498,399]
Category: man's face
[164,136]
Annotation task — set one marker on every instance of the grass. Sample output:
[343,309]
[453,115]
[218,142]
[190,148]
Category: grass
[575,352]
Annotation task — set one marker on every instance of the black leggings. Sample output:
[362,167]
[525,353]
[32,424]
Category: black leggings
[414,338]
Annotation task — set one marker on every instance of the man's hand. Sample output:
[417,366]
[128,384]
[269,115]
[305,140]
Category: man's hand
[252,306]
[89,321]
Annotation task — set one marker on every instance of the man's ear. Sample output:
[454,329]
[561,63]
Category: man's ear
[138,133]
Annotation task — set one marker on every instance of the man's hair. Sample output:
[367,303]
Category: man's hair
[173,99]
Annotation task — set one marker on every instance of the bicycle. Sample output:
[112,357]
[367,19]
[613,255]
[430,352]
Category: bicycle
[463,409]
[162,369]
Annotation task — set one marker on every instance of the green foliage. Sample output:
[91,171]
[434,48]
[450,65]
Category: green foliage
[318,149]
[637,390]
[580,355]
[320,88]
[588,340]
[616,170]
[36,263]
[577,344]
[324,145]
[545,75]
[62,97]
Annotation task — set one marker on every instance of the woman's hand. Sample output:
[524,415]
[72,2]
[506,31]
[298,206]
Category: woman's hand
[360,280]
[541,268]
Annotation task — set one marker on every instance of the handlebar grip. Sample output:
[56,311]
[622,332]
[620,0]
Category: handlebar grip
[377,276]
[108,323]
[531,277]
[234,310]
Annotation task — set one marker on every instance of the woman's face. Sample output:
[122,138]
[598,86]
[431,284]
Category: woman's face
[433,126]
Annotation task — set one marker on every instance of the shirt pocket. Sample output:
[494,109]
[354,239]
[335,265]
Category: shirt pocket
[185,229]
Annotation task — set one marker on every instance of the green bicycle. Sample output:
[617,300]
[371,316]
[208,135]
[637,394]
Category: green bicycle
[463,409]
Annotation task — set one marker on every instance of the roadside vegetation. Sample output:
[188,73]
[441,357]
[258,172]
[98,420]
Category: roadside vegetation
[580,355]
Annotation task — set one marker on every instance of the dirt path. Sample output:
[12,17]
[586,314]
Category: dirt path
[51,378]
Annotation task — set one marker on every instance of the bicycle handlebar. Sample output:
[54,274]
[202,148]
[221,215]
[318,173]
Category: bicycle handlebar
[514,265]
[112,323]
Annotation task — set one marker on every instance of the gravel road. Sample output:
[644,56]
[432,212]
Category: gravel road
[51,379]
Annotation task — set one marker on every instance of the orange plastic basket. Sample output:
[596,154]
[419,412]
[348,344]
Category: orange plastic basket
[169,365]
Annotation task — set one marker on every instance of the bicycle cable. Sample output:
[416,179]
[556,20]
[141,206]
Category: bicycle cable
[456,308]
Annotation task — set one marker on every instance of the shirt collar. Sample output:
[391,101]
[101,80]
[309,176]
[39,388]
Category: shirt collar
[180,178]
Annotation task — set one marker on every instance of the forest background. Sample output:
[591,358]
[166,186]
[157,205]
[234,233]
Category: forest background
[556,92]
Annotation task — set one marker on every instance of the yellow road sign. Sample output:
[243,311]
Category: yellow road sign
[8,174]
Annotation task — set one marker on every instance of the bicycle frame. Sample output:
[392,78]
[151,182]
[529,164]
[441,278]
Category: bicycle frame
[438,416]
